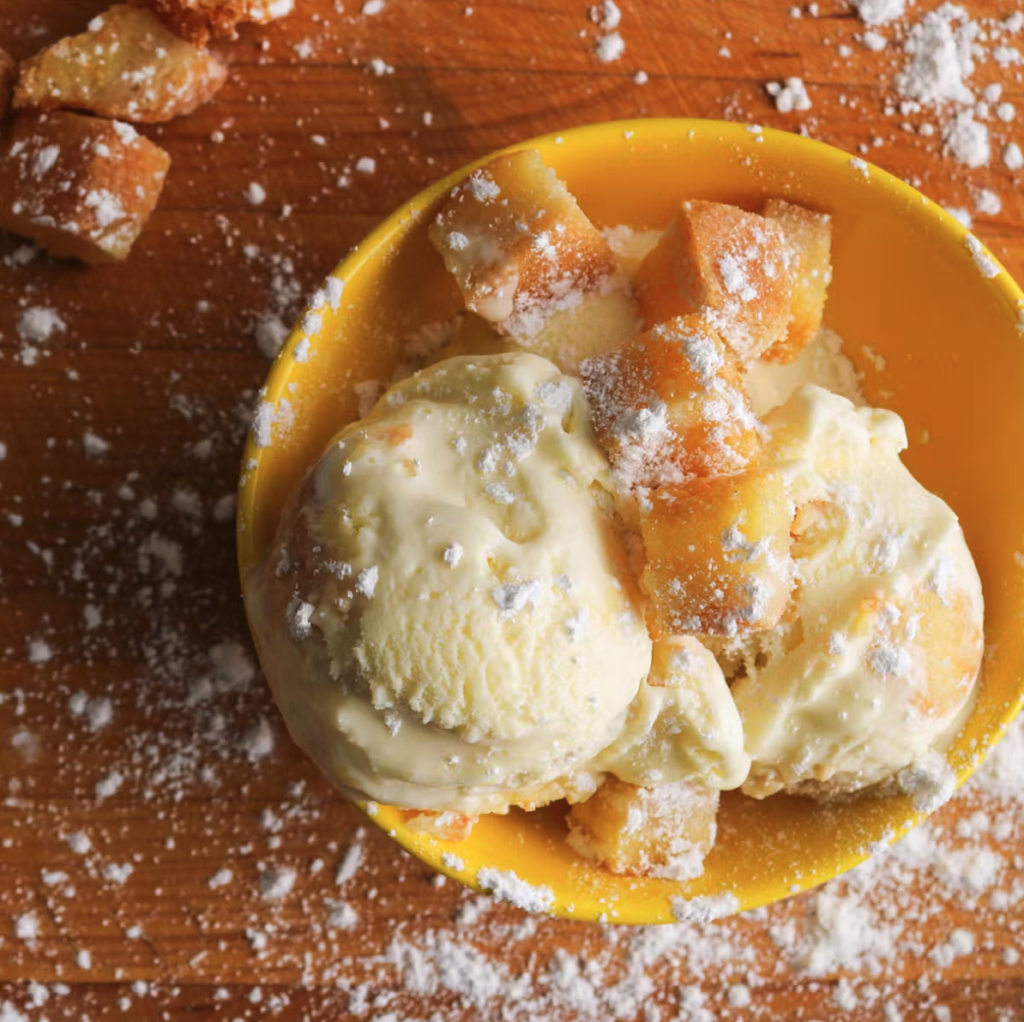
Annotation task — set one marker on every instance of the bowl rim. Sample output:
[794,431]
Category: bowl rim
[387,818]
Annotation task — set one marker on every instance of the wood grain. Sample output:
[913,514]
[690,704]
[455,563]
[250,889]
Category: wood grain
[157,356]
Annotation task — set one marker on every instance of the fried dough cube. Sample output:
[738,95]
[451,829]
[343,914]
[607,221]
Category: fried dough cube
[718,554]
[665,831]
[446,826]
[726,262]
[197,20]
[671,404]
[808,242]
[81,187]
[8,74]
[528,260]
[127,65]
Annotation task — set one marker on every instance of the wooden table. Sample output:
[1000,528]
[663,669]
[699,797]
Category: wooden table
[135,833]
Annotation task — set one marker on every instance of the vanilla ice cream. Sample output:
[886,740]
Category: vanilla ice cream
[448,618]
[683,724]
[877,664]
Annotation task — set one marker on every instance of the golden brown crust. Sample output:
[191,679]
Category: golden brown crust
[663,831]
[81,187]
[199,20]
[718,554]
[681,370]
[126,66]
[808,242]
[726,263]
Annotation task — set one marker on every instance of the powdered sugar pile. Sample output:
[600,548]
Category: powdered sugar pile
[506,886]
[943,49]
[939,60]
[607,16]
[940,47]
[879,12]
[36,325]
[789,95]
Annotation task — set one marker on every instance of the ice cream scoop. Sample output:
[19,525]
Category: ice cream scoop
[683,724]
[877,663]
[447,617]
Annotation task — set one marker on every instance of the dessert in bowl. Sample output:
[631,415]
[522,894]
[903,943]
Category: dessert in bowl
[472,653]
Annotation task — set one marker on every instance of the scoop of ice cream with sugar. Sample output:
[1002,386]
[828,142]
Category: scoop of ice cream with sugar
[683,724]
[448,618]
[875,666]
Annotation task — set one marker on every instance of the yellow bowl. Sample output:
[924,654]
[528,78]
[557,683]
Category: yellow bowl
[906,287]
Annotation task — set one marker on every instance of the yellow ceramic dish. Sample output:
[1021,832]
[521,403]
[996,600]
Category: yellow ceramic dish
[907,289]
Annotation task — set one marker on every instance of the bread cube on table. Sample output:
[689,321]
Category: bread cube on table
[665,831]
[718,554]
[8,74]
[528,261]
[670,404]
[81,187]
[807,246]
[127,65]
[198,20]
[729,265]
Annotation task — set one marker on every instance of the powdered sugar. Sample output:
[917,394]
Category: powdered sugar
[512,597]
[1012,157]
[735,279]
[941,59]
[26,927]
[968,140]
[930,782]
[606,15]
[109,785]
[221,878]
[271,334]
[987,202]
[350,863]
[366,581]
[94,445]
[879,12]
[263,424]
[789,95]
[258,742]
[609,47]
[507,886]
[704,909]
[988,267]
[277,883]
[38,324]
